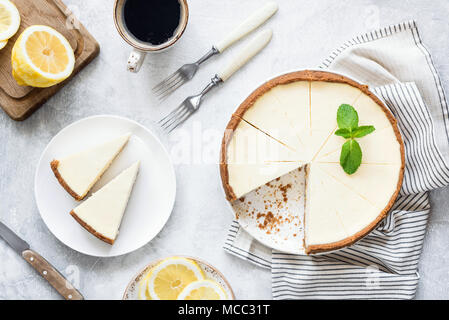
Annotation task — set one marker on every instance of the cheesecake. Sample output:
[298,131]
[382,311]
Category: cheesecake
[77,173]
[293,119]
[101,214]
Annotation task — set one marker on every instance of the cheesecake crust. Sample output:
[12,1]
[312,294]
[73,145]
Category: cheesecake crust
[90,229]
[311,75]
[230,128]
[54,167]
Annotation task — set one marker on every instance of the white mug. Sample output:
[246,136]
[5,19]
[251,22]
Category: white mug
[141,48]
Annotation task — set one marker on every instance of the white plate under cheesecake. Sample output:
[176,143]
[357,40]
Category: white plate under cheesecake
[110,187]
[280,163]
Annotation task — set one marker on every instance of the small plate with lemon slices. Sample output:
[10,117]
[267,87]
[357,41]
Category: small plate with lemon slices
[179,278]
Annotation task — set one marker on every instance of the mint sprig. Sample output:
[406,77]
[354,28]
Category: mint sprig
[348,128]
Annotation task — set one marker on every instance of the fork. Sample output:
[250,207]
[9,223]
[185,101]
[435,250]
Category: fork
[187,71]
[191,104]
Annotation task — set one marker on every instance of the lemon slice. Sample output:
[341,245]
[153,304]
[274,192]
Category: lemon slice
[42,57]
[168,278]
[142,293]
[3,44]
[9,19]
[202,290]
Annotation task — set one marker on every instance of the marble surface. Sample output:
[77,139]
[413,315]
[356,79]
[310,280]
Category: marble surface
[305,32]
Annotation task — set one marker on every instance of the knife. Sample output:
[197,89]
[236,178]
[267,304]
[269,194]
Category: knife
[42,266]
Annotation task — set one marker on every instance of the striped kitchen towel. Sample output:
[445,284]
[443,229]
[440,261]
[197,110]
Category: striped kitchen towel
[384,264]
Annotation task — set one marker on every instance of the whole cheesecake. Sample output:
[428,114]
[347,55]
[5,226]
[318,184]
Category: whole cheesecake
[289,123]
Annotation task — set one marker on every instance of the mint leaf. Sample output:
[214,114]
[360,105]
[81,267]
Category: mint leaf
[348,124]
[347,117]
[362,131]
[351,156]
[345,133]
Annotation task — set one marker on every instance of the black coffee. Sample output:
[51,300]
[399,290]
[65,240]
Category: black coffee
[152,21]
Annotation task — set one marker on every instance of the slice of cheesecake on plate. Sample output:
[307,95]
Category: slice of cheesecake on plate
[79,172]
[101,214]
[251,158]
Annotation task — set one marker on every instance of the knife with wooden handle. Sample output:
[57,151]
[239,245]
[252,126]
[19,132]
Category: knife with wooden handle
[42,266]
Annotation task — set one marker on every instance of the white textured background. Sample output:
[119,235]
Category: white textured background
[305,32]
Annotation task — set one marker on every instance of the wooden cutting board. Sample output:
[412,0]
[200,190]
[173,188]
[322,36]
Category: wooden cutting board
[19,102]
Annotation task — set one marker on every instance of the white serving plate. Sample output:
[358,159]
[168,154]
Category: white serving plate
[131,291]
[151,201]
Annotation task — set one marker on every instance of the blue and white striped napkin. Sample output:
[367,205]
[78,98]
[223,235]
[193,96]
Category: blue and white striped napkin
[383,265]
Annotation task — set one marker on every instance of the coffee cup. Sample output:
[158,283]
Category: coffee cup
[149,26]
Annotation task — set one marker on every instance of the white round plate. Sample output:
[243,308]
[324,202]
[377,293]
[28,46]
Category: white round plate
[151,200]
[131,291]
[288,237]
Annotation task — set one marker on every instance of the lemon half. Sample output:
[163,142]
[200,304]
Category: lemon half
[42,57]
[203,290]
[168,278]
[9,19]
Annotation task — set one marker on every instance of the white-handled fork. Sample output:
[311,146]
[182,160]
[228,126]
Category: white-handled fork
[192,103]
[187,71]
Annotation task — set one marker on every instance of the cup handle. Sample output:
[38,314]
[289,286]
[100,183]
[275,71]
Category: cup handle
[135,60]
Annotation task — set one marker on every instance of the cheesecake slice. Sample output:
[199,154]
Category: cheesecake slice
[323,227]
[251,158]
[278,115]
[79,172]
[102,213]
[335,215]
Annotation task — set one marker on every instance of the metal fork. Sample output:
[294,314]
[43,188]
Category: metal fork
[190,105]
[187,71]
[181,76]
